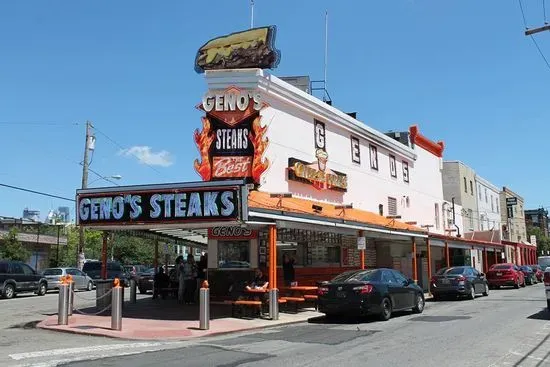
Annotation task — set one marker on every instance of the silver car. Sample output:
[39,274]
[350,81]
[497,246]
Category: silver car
[80,279]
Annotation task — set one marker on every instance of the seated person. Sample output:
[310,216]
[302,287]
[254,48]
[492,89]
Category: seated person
[161,281]
[259,282]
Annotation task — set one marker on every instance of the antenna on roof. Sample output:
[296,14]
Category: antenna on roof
[251,13]
[323,83]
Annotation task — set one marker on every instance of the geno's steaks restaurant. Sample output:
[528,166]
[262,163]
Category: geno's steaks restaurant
[274,180]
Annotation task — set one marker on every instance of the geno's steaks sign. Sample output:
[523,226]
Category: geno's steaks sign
[162,204]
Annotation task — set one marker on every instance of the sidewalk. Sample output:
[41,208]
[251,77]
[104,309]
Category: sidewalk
[167,320]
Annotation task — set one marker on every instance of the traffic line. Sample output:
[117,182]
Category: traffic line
[83,350]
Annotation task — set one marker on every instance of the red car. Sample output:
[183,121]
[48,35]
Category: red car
[539,273]
[505,275]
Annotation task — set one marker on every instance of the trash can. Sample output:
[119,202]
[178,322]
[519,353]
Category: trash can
[103,286]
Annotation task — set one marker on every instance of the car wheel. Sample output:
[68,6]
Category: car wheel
[419,306]
[42,289]
[472,294]
[517,284]
[386,306]
[90,286]
[9,291]
[486,293]
[524,284]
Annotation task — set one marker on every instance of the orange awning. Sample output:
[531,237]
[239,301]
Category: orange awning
[293,205]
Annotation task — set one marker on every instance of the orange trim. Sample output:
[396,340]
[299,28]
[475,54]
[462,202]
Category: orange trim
[425,143]
[262,200]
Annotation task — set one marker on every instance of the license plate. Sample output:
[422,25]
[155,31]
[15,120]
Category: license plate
[499,274]
[341,294]
[445,281]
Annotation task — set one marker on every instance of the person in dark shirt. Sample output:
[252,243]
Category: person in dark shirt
[288,270]
[259,282]
[161,281]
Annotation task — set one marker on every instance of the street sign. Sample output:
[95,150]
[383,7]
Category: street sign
[512,201]
[533,240]
[361,243]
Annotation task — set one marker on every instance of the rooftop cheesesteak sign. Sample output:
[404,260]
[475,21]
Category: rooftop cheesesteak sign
[160,206]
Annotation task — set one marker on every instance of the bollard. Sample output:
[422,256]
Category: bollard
[133,287]
[63,305]
[116,307]
[274,304]
[204,306]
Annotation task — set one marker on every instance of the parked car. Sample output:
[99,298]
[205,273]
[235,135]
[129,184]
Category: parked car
[17,277]
[506,274]
[539,273]
[547,286]
[528,274]
[134,270]
[81,280]
[145,281]
[375,291]
[458,281]
[114,270]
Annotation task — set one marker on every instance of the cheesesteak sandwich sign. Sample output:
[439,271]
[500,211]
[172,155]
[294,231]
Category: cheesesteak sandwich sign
[162,205]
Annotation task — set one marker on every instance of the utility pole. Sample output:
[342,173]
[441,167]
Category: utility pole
[89,145]
[532,31]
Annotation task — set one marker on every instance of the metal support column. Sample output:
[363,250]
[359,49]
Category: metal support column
[63,305]
[116,307]
[133,286]
[414,268]
[447,259]
[273,292]
[429,254]
[362,252]
[204,307]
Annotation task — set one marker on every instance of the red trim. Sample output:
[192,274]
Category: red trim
[425,143]
[460,239]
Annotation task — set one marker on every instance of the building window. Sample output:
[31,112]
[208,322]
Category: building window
[492,204]
[486,200]
[373,157]
[465,185]
[471,187]
[392,206]
[436,209]
[355,150]
[234,254]
[479,191]
[471,218]
[393,166]
[322,255]
[496,205]
[296,251]
[405,171]
[333,254]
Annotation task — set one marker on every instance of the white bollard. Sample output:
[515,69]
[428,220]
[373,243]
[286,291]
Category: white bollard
[133,286]
[274,304]
[116,309]
[204,308]
[71,298]
[63,305]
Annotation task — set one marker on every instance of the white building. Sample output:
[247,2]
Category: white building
[488,206]
[381,174]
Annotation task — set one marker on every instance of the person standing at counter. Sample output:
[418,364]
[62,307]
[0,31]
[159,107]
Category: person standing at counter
[288,270]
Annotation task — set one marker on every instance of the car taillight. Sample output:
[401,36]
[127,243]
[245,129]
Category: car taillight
[367,288]
[461,278]
[322,291]
[547,278]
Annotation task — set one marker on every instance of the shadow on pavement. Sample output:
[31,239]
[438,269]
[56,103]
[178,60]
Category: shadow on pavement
[543,314]
[350,320]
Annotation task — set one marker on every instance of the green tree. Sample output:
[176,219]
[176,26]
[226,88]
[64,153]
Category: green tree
[128,249]
[543,242]
[12,249]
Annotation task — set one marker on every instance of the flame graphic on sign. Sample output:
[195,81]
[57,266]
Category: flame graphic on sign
[204,140]
[260,143]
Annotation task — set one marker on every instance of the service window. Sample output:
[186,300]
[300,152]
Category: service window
[233,254]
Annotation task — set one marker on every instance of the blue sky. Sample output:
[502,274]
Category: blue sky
[462,70]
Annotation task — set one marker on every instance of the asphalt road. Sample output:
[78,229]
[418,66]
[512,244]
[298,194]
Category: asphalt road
[508,328]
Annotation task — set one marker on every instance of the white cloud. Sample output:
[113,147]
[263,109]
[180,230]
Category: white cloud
[145,155]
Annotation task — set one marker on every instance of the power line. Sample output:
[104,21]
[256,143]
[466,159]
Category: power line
[37,192]
[544,10]
[125,149]
[537,30]
[522,14]
[540,52]
[38,123]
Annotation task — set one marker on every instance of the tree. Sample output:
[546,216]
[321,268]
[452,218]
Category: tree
[543,242]
[12,249]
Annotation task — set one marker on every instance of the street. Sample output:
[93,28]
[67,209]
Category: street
[508,328]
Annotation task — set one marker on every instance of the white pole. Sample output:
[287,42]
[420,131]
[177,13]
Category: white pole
[251,13]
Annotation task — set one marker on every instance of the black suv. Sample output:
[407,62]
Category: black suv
[114,270]
[17,277]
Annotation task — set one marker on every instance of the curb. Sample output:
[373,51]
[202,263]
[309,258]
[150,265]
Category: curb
[218,333]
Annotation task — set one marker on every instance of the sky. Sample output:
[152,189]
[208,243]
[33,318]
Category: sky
[462,70]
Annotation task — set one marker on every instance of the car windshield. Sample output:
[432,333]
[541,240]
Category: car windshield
[455,271]
[91,266]
[354,276]
[501,267]
[53,272]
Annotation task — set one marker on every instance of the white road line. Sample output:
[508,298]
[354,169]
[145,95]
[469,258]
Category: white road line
[82,350]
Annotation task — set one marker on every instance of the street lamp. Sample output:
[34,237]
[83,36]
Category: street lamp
[107,178]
